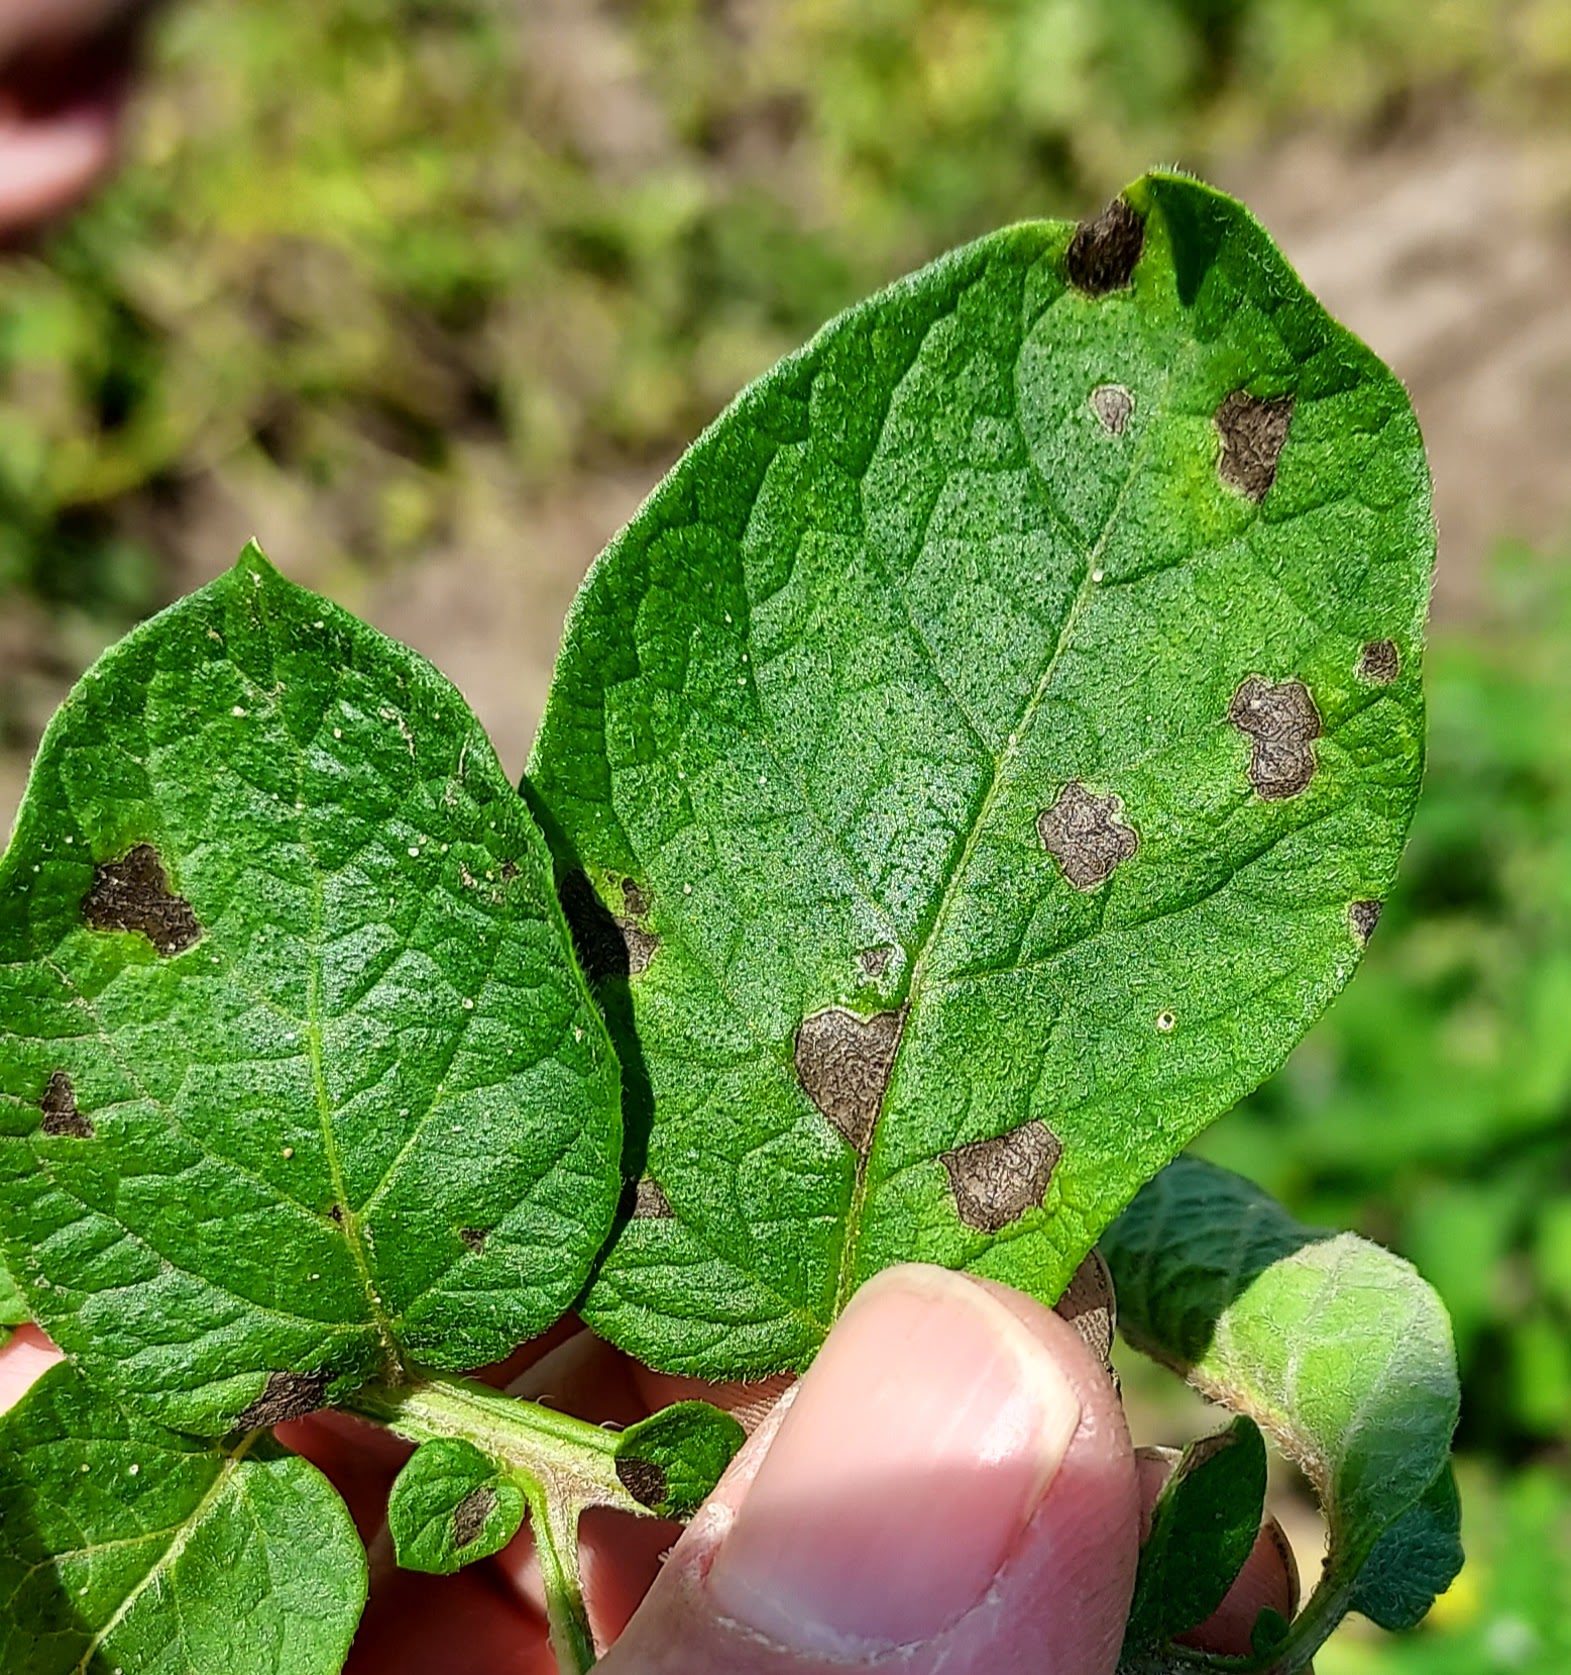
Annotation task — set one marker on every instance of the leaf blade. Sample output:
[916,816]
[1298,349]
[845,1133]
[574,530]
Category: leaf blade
[450,1506]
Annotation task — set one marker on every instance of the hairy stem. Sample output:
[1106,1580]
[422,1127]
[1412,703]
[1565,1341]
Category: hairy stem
[555,1529]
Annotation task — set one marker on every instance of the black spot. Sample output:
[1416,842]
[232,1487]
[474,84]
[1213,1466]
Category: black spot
[996,1181]
[133,894]
[1088,1305]
[1086,835]
[287,1396]
[509,872]
[1281,721]
[469,1516]
[643,1480]
[1113,406]
[1363,916]
[473,1238]
[1103,252]
[650,1202]
[1253,433]
[607,947]
[844,1063]
[1380,663]
[61,1116]
[336,1214]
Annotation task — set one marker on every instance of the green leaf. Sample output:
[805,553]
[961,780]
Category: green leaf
[13,1310]
[125,1546]
[980,761]
[671,1461]
[1336,1347]
[298,1080]
[449,1506]
[1203,1528]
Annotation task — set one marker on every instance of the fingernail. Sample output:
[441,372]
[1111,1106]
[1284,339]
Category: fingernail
[922,1441]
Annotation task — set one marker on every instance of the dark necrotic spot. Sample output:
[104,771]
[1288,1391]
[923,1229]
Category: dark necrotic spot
[844,1062]
[1380,663]
[336,1214]
[474,1238]
[1086,835]
[1282,723]
[634,901]
[61,1116]
[1113,406]
[875,961]
[287,1396]
[607,947]
[134,895]
[1252,432]
[996,1181]
[509,872]
[650,1202]
[1363,916]
[1088,1305]
[1103,252]
[469,1516]
[643,1480]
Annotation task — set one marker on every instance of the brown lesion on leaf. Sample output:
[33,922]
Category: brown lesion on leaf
[133,894]
[1379,663]
[471,1513]
[607,947]
[1113,406]
[844,1063]
[509,870]
[644,1481]
[336,1215]
[650,1202]
[1088,1304]
[1253,433]
[1363,916]
[875,961]
[1281,722]
[1087,835]
[286,1396]
[635,903]
[1103,251]
[473,1238]
[61,1117]
[996,1181]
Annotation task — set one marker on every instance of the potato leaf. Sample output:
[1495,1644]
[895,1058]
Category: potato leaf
[449,1506]
[125,1546]
[1203,1527]
[1337,1348]
[298,1079]
[980,761]
[671,1461]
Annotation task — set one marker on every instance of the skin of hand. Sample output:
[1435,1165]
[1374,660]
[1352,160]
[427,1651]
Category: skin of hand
[65,71]
[949,1490]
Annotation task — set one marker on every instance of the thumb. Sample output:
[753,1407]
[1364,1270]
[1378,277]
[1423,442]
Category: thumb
[950,1487]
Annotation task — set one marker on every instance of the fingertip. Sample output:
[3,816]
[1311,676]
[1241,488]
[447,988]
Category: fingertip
[23,1361]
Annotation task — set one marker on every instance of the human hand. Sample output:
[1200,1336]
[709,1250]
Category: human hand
[950,1488]
[65,71]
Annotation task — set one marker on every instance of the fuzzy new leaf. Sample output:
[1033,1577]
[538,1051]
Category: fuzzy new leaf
[449,1506]
[981,760]
[298,1079]
[670,1462]
[125,1546]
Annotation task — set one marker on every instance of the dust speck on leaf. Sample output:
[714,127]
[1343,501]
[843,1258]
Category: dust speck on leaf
[1113,406]
[643,1479]
[286,1396]
[1363,916]
[843,1062]
[1380,663]
[469,1516]
[474,1238]
[1088,1305]
[61,1117]
[133,894]
[1086,835]
[650,1202]
[1103,251]
[996,1181]
[1253,433]
[1281,721]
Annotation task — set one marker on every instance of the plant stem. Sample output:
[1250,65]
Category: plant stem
[555,1528]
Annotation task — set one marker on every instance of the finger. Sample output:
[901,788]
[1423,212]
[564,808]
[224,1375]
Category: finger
[1269,1577]
[950,1487]
[23,1361]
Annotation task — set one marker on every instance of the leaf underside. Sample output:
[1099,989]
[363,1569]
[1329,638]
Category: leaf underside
[979,763]
[1334,1346]
[125,1546]
[298,1080]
